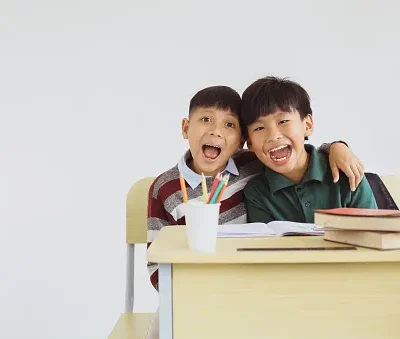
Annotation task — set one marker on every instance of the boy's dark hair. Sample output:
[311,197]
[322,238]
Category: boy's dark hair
[266,95]
[220,97]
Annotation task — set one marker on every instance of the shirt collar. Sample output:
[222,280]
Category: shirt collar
[316,171]
[318,165]
[193,178]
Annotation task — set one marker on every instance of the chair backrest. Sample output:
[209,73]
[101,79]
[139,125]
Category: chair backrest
[136,211]
[392,183]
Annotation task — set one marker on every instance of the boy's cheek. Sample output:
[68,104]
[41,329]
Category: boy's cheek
[254,143]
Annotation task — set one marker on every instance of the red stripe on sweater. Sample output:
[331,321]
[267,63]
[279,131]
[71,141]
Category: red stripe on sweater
[170,188]
[232,201]
[155,207]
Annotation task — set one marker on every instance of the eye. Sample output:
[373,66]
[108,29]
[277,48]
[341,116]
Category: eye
[205,119]
[283,122]
[230,124]
[259,128]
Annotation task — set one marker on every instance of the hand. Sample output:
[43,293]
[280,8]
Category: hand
[342,158]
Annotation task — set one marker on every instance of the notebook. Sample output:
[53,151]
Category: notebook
[272,229]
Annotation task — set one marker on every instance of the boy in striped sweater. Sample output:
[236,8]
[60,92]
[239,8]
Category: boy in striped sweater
[215,141]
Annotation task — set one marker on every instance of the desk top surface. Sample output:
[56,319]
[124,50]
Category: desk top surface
[170,246]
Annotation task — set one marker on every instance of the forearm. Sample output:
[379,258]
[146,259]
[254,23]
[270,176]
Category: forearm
[325,147]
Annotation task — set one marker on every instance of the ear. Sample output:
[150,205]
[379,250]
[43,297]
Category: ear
[308,125]
[185,128]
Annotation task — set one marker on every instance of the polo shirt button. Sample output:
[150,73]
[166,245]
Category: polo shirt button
[308,204]
[298,189]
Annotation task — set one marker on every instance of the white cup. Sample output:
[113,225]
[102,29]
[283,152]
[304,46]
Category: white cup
[202,225]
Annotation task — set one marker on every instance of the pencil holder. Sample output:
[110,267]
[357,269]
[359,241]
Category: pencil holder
[202,226]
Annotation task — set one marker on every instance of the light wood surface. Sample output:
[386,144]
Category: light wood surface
[136,211]
[132,326]
[170,246]
[282,301]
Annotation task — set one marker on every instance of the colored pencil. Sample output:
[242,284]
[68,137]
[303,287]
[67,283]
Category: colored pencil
[183,188]
[214,186]
[218,190]
[204,187]
[223,190]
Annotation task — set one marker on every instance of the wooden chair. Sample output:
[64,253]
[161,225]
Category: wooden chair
[134,325]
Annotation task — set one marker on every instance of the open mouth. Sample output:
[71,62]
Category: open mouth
[211,151]
[281,153]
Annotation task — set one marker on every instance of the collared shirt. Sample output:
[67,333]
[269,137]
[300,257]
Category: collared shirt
[193,178]
[272,196]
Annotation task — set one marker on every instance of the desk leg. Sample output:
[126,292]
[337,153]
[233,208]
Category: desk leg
[165,292]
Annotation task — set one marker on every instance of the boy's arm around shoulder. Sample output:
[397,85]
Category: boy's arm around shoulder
[341,157]
[257,211]
[363,196]
[325,147]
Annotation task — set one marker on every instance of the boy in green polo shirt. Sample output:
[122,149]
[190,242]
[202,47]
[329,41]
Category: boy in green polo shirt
[297,179]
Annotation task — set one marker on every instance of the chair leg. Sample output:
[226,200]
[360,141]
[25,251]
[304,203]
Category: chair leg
[130,275]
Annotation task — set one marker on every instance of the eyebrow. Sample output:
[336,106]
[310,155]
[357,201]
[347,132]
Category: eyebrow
[275,114]
[232,115]
[229,113]
[282,113]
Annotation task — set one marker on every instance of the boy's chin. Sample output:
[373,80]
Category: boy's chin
[280,168]
[211,167]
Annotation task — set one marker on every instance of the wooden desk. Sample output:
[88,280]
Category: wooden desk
[292,294]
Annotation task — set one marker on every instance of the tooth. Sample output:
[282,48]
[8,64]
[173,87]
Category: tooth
[213,146]
[277,148]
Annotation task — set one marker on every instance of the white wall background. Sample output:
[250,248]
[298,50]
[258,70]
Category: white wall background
[91,97]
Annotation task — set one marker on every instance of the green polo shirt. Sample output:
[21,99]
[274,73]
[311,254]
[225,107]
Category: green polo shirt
[272,196]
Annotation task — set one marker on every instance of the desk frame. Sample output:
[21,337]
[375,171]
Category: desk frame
[165,309]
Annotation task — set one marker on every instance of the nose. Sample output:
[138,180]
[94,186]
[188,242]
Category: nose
[274,134]
[215,131]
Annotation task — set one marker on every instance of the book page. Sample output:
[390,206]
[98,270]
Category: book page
[282,228]
[272,229]
[255,229]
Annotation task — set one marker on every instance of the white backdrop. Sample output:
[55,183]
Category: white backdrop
[91,97]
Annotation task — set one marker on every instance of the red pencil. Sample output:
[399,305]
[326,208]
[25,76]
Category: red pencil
[214,186]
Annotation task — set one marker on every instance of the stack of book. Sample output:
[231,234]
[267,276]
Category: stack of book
[379,229]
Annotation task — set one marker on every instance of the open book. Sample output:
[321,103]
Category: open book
[272,229]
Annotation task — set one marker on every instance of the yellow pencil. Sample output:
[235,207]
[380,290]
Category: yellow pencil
[183,188]
[204,187]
